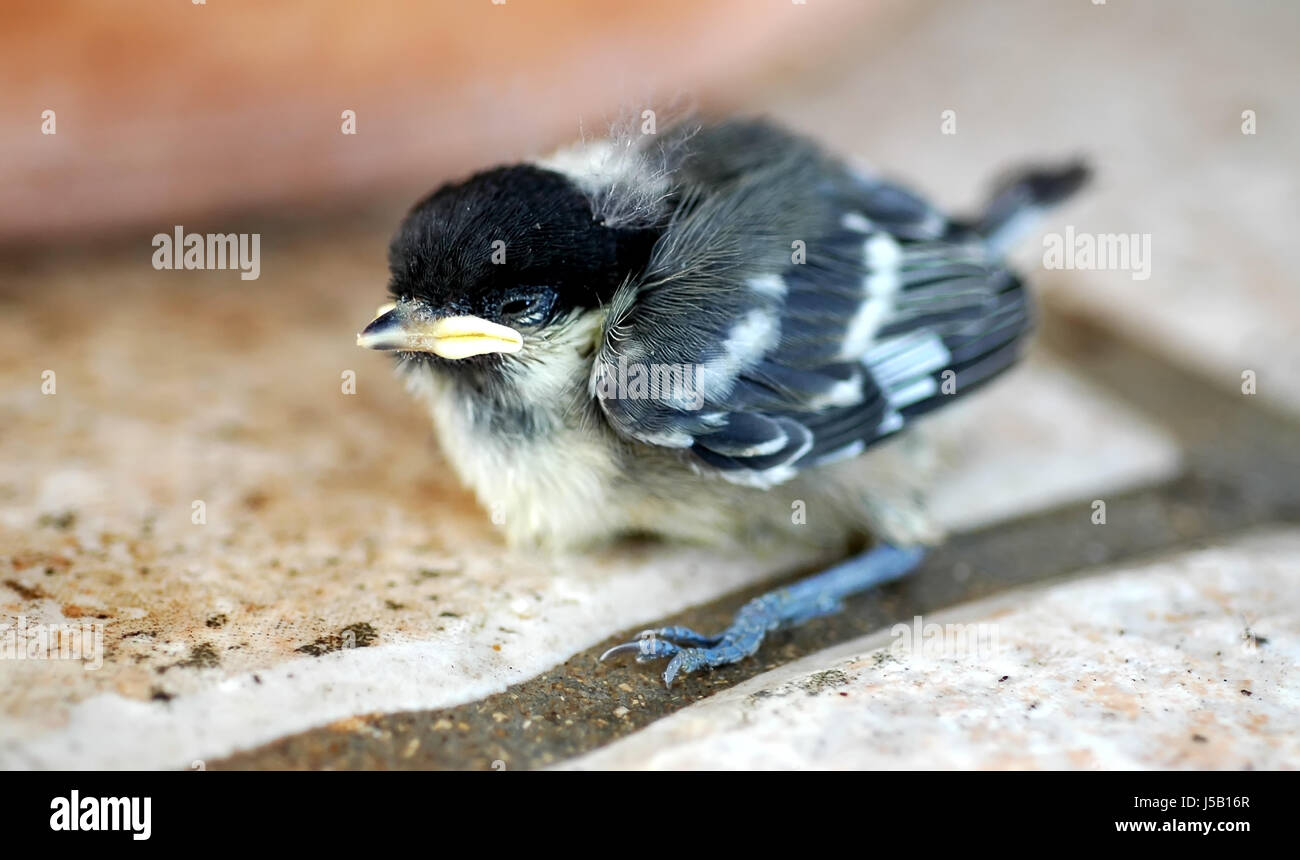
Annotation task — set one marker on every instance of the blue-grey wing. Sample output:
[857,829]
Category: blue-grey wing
[794,312]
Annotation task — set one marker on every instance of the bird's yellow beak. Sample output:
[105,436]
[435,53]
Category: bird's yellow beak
[399,328]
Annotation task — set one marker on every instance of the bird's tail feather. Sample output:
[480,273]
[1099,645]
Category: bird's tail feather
[1019,201]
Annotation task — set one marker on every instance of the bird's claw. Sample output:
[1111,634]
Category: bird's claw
[685,662]
[662,642]
[644,647]
[813,597]
[681,644]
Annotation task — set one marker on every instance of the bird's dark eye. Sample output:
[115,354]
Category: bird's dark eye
[527,308]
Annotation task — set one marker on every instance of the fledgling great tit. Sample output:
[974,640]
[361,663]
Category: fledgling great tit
[719,332]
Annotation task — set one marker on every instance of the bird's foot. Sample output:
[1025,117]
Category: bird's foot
[813,597]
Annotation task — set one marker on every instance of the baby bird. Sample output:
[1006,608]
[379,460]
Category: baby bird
[718,333]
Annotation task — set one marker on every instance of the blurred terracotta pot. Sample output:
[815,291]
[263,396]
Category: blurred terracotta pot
[163,112]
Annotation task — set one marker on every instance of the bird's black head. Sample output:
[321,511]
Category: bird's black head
[517,248]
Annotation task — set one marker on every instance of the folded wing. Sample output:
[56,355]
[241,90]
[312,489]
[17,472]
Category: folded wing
[800,311]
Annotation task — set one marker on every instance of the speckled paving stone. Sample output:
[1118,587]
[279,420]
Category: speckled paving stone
[1039,438]
[1186,662]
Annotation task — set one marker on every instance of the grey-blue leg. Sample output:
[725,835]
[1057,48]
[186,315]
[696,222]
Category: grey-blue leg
[818,595]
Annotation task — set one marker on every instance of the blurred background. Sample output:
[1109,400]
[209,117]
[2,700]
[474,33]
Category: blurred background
[180,110]
[327,507]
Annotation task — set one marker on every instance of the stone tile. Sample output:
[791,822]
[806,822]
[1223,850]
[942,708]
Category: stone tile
[1111,82]
[1140,666]
[1040,437]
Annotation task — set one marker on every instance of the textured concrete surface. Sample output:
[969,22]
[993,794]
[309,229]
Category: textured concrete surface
[1042,438]
[1192,661]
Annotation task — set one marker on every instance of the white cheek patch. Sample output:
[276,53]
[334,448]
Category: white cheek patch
[553,368]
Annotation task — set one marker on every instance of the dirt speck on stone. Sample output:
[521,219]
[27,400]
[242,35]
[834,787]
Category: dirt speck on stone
[26,592]
[202,656]
[816,683]
[359,635]
[62,522]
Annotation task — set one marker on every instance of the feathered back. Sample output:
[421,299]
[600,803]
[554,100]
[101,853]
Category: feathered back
[815,310]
